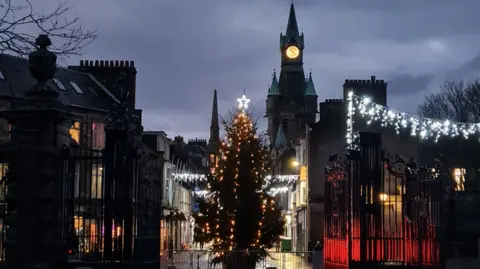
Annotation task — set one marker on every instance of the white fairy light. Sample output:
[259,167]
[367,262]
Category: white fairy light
[188,177]
[424,128]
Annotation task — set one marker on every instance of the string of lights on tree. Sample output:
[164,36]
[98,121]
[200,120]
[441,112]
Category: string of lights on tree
[219,220]
[424,128]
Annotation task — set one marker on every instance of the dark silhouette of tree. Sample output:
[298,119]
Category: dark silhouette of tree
[457,101]
[20,25]
[238,217]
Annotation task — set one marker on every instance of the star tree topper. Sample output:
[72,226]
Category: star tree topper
[243,103]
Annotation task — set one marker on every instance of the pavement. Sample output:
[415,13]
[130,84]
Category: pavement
[287,260]
[192,259]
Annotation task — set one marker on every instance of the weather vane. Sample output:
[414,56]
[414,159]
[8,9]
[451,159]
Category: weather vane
[243,102]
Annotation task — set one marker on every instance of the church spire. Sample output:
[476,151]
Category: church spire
[214,141]
[292,26]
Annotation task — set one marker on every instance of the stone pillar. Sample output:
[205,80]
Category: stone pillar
[34,237]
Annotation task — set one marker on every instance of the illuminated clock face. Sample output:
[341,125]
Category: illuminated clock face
[292,52]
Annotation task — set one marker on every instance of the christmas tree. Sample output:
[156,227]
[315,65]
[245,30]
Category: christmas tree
[238,215]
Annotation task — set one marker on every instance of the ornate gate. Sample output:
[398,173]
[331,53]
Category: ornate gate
[381,210]
[337,192]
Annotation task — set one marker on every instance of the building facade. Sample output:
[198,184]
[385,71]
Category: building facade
[176,233]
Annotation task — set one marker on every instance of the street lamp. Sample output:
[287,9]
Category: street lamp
[295,163]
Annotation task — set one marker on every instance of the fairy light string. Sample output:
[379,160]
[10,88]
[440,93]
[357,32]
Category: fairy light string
[421,127]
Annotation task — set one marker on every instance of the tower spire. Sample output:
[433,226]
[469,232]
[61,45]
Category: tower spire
[214,141]
[292,26]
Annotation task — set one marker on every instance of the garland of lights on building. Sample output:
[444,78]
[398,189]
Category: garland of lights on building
[424,128]
[187,177]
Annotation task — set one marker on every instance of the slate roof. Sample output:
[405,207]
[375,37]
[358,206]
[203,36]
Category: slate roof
[310,89]
[274,90]
[280,140]
[17,80]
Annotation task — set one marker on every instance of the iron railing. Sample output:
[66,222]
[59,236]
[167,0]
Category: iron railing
[203,259]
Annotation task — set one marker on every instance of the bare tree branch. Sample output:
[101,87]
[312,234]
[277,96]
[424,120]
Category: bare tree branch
[451,103]
[17,22]
[473,99]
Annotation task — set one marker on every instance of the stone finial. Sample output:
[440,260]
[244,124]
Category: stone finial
[42,62]
[42,66]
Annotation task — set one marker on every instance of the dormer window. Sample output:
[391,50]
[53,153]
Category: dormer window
[59,84]
[1,76]
[76,88]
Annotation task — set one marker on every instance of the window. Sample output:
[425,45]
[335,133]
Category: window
[76,88]
[59,84]
[459,177]
[3,185]
[98,135]
[75,132]
[4,130]
[97,181]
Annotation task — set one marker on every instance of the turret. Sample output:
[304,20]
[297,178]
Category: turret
[273,97]
[310,96]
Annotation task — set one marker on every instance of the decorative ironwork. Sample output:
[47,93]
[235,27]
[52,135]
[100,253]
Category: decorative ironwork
[121,117]
[42,66]
[381,210]
[394,163]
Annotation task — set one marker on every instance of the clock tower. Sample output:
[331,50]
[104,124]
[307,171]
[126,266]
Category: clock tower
[292,99]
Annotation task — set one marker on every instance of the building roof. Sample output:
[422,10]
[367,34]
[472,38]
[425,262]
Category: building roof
[280,140]
[274,90]
[75,88]
[310,88]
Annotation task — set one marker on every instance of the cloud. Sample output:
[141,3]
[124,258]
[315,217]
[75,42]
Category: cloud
[184,49]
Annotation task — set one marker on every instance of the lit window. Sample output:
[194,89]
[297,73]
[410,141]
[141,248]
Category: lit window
[3,184]
[97,181]
[98,135]
[459,177]
[59,84]
[75,132]
[76,88]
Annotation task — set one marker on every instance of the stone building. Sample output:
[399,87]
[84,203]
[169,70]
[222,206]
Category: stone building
[327,137]
[91,110]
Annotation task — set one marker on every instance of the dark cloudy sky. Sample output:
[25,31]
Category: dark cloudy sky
[183,49]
